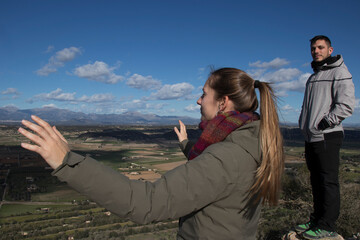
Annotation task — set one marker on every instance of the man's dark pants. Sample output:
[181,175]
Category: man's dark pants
[322,159]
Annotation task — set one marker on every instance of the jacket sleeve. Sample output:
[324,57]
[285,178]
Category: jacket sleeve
[186,146]
[343,95]
[179,192]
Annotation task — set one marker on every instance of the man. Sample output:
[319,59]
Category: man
[329,98]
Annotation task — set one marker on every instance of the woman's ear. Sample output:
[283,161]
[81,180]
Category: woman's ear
[224,103]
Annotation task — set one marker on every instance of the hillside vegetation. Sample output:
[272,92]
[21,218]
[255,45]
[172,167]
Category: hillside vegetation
[36,205]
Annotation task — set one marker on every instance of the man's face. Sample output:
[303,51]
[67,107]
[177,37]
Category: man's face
[320,50]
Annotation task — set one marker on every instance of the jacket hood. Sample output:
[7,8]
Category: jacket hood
[248,138]
[330,62]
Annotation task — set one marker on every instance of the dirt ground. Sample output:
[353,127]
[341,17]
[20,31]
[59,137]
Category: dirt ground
[110,147]
[168,166]
[293,159]
[144,175]
[153,176]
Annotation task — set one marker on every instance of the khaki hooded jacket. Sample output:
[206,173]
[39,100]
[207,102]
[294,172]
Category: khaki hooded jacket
[208,193]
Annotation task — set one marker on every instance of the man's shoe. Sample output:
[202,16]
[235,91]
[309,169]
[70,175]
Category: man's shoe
[316,233]
[304,227]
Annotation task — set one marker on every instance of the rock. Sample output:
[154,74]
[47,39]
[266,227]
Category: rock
[291,236]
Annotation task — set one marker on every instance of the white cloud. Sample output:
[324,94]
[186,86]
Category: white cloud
[99,71]
[357,103]
[287,107]
[46,70]
[175,91]
[11,91]
[192,108]
[201,74]
[256,73]
[59,95]
[49,106]
[283,79]
[10,106]
[110,107]
[134,104]
[280,93]
[137,104]
[294,85]
[96,98]
[155,106]
[59,60]
[281,75]
[49,49]
[141,82]
[275,63]
[66,55]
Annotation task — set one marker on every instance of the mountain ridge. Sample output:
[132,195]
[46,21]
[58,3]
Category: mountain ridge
[13,115]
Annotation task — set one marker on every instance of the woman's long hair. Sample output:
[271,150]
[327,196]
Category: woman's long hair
[239,87]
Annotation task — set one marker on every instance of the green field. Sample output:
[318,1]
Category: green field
[85,220]
[21,212]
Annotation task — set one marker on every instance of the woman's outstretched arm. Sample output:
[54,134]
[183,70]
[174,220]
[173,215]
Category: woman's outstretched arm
[177,193]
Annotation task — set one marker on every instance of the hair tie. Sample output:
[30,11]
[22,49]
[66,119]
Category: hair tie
[256,84]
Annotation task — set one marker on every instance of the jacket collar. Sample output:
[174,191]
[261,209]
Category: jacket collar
[326,63]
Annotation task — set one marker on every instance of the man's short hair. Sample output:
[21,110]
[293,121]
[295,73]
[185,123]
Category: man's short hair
[320,37]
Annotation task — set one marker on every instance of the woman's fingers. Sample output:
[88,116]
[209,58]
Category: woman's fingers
[33,137]
[40,121]
[52,131]
[30,147]
[177,131]
[36,128]
[46,129]
[183,129]
[59,134]
[182,135]
[182,126]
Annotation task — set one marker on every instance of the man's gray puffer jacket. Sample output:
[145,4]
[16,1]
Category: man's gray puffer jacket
[329,94]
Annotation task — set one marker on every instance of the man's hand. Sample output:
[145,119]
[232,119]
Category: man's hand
[323,124]
[182,135]
[50,144]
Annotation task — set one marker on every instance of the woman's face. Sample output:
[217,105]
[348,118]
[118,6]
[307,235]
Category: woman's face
[209,106]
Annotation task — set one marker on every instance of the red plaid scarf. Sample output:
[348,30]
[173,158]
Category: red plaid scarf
[219,128]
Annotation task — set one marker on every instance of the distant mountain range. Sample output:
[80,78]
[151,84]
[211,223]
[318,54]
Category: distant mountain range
[13,115]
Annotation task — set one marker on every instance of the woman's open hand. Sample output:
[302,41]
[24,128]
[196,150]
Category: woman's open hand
[182,134]
[50,144]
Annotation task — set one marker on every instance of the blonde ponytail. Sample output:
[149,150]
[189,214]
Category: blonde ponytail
[268,175]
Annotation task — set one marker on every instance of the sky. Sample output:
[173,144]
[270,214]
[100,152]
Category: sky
[154,56]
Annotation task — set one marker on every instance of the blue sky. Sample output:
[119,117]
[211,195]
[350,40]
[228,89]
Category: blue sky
[155,56]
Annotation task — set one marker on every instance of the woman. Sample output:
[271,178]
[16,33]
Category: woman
[234,166]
